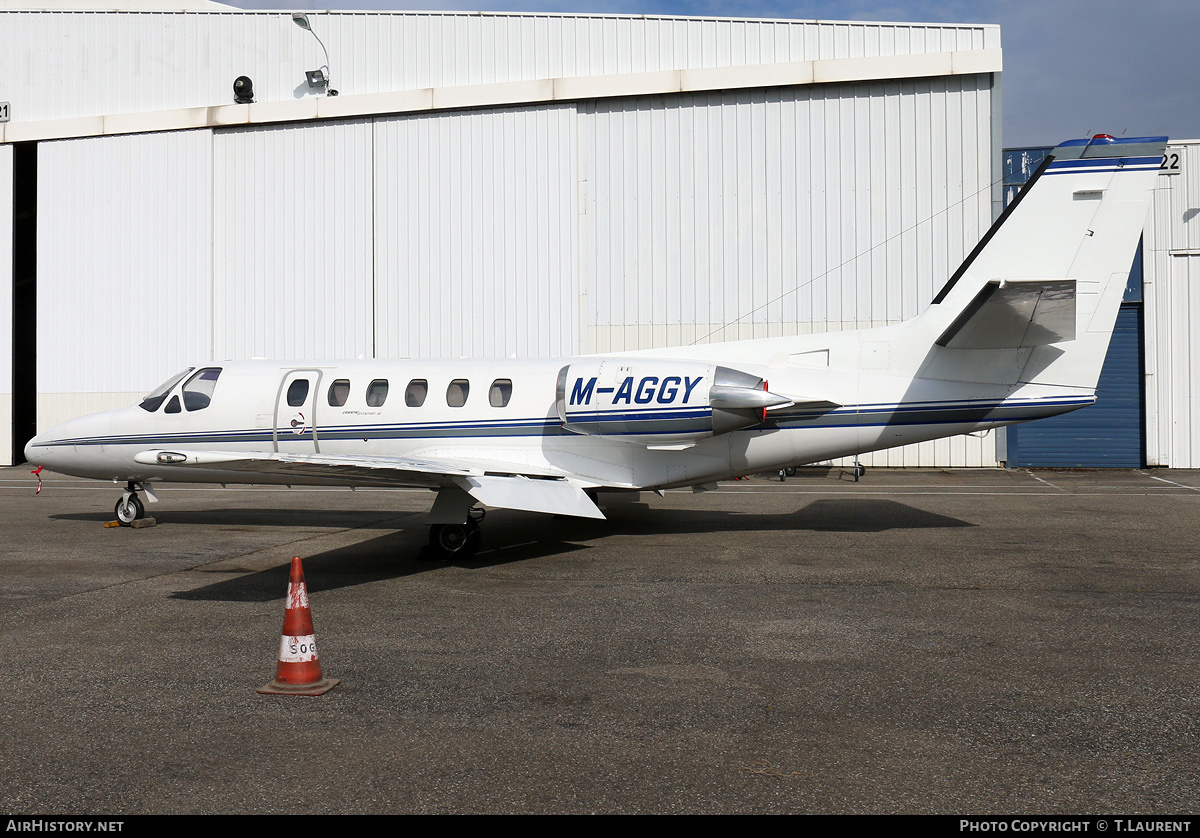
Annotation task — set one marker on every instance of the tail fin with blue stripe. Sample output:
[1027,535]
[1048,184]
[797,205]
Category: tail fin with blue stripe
[1043,287]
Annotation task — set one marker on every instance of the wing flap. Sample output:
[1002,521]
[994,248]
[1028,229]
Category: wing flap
[555,497]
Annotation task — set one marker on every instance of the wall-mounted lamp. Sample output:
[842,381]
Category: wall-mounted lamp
[320,76]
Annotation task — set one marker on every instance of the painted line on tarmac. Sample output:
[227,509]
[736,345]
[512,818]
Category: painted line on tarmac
[1047,482]
[1173,483]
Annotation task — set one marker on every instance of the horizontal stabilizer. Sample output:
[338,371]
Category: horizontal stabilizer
[1015,313]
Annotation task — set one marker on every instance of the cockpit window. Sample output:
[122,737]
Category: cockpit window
[198,390]
[153,401]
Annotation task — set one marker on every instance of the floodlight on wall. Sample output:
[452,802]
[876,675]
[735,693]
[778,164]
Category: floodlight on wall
[243,90]
[320,76]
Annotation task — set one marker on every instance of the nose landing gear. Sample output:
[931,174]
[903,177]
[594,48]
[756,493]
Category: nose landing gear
[129,508]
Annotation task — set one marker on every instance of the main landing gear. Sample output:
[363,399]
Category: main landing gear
[129,508]
[456,541]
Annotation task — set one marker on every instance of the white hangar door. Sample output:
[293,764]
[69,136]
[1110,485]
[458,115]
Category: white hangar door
[122,267]
[476,215]
[292,241]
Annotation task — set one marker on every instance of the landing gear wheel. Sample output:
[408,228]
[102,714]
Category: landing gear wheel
[129,510]
[790,471]
[455,541]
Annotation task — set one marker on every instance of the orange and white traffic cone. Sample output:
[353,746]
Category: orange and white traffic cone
[299,669]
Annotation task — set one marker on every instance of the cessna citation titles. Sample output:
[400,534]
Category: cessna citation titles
[1018,332]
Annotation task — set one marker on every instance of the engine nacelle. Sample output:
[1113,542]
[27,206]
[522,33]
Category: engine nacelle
[655,402]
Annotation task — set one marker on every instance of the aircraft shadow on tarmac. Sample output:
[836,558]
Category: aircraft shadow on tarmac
[509,537]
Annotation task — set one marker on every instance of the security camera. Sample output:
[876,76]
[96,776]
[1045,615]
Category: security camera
[243,90]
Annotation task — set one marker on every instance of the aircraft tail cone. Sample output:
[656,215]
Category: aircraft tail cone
[299,669]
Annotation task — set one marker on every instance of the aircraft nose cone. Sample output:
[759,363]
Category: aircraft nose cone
[32,451]
[41,451]
[66,448]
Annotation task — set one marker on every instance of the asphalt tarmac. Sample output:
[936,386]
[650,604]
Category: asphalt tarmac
[922,641]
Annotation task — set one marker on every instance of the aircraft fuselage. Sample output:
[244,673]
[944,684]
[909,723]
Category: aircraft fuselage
[651,422]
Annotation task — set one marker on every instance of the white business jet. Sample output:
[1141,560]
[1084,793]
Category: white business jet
[1019,332]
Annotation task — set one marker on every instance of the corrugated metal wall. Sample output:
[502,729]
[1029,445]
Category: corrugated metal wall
[99,62]
[756,213]
[1172,280]
[124,271]
[475,247]
[293,232]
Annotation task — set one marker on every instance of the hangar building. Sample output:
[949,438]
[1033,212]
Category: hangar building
[481,184]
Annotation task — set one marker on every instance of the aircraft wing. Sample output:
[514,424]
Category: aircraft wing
[498,484]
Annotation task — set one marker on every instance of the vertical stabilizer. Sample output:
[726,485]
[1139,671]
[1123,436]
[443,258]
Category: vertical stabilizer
[1043,287]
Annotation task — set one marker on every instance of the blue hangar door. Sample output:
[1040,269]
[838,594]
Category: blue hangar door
[1108,434]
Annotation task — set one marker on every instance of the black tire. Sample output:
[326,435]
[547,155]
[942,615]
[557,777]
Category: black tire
[454,541]
[790,471]
[129,511]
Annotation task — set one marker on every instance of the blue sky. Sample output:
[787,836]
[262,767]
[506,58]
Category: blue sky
[1071,67]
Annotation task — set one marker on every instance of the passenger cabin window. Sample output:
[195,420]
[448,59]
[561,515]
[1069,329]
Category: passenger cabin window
[456,393]
[501,392]
[297,392]
[198,391]
[417,390]
[339,391]
[159,395]
[377,392]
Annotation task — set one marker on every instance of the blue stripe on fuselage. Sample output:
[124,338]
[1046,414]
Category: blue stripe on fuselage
[944,412]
